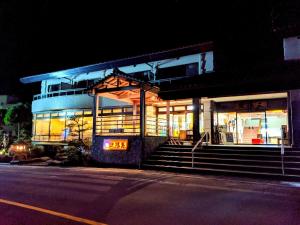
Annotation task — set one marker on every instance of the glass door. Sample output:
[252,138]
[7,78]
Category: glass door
[251,128]
[178,123]
[275,120]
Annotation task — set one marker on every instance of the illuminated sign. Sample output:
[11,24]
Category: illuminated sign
[115,144]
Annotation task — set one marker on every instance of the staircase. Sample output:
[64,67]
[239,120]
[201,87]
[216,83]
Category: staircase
[254,161]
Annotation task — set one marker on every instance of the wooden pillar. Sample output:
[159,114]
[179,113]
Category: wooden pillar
[142,113]
[134,118]
[168,117]
[196,119]
[95,114]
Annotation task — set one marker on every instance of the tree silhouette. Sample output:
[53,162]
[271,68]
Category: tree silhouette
[77,126]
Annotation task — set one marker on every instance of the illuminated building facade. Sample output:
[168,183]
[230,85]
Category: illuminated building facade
[128,107]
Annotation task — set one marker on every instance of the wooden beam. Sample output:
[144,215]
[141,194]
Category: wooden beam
[117,89]
[115,97]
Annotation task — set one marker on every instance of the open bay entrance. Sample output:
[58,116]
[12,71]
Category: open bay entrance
[251,121]
[180,114]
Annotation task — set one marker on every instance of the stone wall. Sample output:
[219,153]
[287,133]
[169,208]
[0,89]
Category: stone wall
[151,144]
[132,156]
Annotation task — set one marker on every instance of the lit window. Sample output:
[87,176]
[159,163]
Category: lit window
[179,108]
[118,110]
[78,113]
[190,107]
[106,111]
[87,112]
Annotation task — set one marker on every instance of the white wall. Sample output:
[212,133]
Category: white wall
[83,101]
[63,102]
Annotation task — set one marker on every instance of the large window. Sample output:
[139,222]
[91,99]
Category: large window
[251,127]
[62,125]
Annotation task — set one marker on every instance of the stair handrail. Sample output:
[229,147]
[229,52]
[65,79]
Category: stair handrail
[200,142]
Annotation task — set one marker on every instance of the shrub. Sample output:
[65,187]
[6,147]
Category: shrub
[74,156]
[5,158]
[37,151]
[3,152]
[50,151]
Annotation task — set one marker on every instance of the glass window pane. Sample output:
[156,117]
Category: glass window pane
[190,107]
[179,108]
[162,109]
[42,127]
[87,127]
[128,109]
[79,113]
[118,110]
[275,119]
[227,125]
[87,112]
[106,111]
[57,127]
[251,128]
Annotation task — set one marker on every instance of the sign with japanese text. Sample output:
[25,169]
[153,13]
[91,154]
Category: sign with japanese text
[115,144]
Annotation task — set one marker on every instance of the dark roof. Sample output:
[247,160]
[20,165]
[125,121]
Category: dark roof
[275,77]
[173,53]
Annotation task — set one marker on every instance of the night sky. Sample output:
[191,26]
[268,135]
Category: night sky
[48,35]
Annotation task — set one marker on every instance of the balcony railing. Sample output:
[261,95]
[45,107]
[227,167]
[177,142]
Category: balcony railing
[129,125]
[78,91]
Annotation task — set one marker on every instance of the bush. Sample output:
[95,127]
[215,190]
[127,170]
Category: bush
[50,151]
[37,151]
[78,157]
[5,158]
[3,152]
[74,156]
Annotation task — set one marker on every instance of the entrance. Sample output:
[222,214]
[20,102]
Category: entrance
[180,118]
[251,127]
[181,124]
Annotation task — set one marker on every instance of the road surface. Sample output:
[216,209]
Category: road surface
[49,195]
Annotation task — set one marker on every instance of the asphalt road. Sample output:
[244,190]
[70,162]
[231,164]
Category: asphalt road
[45,195]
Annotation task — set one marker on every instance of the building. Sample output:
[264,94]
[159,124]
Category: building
[130,106]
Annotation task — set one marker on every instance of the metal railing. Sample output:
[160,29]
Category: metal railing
[200,142]
[78,91]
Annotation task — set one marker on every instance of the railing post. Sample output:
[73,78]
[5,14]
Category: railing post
[282,151]
[142,113]
[192,159]
[95,115]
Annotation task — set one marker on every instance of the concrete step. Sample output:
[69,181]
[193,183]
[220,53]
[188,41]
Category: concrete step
[261,162]
[215,171]
[226,166]
[229,155]
[234,151]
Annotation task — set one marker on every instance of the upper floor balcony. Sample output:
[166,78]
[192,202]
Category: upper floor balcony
[63,99]
[77,91]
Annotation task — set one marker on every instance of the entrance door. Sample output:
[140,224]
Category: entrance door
[251,128]
[178,123]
